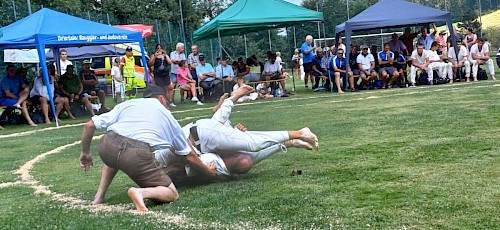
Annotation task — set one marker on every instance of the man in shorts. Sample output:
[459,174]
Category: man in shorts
[136,130]
[387,70]
[366,64]
[127,69]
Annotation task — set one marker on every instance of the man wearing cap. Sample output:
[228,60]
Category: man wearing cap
[131,143]
[89,82]
[176,56]
[72,88]
[206,76]
[366,64]
[461,61]
[127,68]
[225,73]
[272,71]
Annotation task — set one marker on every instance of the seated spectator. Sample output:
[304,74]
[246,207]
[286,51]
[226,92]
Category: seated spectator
[13,93]
[90,82]
[185,82]
[420,61]
[318,69]
[340,67]
[264,91]
[400,66]
[353,65]
[235,65]
[461,61]
[72,88]
[436,61]
[387,70]
[427,39]
[471,38]
[441,42]
[23,74]
[40,96]
[249,97]
[396,45]
[480,54]
[206,75]
[366,65]
[374,52]
[272,71]
[255,71]
[225,73]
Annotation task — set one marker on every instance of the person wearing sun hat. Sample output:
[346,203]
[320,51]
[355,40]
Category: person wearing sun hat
[136,131]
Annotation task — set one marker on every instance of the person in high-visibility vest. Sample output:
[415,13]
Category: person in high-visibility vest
[127,69]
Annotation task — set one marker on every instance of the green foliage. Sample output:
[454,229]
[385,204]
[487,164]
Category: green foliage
[493,35]
[469,19]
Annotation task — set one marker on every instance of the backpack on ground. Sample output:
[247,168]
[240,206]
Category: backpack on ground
[481,74]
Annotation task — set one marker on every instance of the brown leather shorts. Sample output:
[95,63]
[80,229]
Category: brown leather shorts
[134,158]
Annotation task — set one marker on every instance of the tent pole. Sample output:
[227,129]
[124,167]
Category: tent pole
[143,56]
[220,43]
[14,8]
[212,50]
[246,48]
[319,30]
[45,73]
[158,32]
[347,54]
[270,45]
[107,16]
[289,50]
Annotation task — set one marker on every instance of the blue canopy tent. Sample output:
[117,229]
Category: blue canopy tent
[389,14]
[43,29]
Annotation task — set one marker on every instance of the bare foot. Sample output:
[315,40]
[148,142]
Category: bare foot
[310,137]
[341,91]
[47,122]
[72,117]
[97,200]
[243,90]
[136,197]
[296,143]
[33,124]
[221,100]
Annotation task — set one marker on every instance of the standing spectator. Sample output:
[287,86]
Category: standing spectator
[458,37]
[176,56]
[193,62]
[206,75]
[341,45]
[225,73]
[279,60]
[160,62]
[407,39]
[307,57]
[127,69]
[427,39]
[461,61]
[295,62]
[117,81]
[89,82]
[396,45]
[13,93]
[480,54]
[71,87]
[64,62]
[471,38]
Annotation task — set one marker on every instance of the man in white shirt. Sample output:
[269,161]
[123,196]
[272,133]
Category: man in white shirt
[480,54]
[420,62]
[63,60]
[444,69]
[462,59]
[137,130]
[272,71]
[366,64]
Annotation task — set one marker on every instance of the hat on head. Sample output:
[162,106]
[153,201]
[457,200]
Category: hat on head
[442,32]
[459,40]
[364,47]
[201,56]
[154,91]
[87,62]
[128,48]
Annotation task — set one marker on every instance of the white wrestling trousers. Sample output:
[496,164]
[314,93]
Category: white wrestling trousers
[226,138]
[444,69]
[413,73]
[467,68]
[475,67]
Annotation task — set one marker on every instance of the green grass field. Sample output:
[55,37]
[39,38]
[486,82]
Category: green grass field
[422,158]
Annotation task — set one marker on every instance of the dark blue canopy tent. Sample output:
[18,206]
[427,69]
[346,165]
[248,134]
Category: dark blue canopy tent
[43,29]
[390,14]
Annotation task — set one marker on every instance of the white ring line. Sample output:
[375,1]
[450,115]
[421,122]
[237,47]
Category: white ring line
[452,87]
[77,203]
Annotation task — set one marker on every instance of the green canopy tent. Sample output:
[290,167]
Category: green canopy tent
[246,16]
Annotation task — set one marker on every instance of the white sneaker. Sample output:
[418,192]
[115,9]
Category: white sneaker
[17,106]
[172,105]
[199,103]
[195,99]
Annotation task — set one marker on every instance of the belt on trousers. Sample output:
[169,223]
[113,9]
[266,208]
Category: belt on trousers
[194,134]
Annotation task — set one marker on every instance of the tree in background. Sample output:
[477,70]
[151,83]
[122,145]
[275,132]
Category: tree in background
[469,18]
